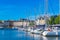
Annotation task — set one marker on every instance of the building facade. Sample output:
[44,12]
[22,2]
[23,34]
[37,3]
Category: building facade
[40,22]
[19,23]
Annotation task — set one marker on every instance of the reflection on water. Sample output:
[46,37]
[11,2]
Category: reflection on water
[50,38]
[36,37]
[22,35]
[39,37]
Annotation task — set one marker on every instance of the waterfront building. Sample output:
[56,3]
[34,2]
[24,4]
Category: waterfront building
[8,23]
[40,22]
[16,23]
[1,23]
[20,24]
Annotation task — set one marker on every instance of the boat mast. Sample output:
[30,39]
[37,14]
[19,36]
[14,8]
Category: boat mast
[46,6]
[35,15]
[59,6]
[46,11]
[59,10]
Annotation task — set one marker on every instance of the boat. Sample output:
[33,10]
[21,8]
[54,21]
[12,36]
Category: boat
[51,33]
[29,29]
[36,31]
[15,28]
[1,27]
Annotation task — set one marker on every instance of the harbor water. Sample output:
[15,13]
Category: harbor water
[6,34]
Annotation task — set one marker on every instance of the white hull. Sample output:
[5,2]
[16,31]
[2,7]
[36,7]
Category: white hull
[1,27]
[36,31]
[29,29]
[51,33]
[14,27]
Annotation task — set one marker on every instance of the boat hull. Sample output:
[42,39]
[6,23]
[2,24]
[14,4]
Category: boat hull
[36,32]
[51,33]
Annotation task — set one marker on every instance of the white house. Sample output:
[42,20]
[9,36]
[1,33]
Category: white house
[40,21]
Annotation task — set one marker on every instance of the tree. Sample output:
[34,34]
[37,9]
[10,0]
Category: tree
[31,24]
[57,20]
[51,21]
[54,20]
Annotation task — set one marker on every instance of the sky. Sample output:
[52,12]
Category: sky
[16,9]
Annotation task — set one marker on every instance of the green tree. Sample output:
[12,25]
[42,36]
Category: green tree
[57,20]
[51,21]
[0,21]
[54,20]
[31,24]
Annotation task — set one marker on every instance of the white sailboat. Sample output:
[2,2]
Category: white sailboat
[54,32]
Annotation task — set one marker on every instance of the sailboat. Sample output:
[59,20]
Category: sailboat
[51,32]
[36,28]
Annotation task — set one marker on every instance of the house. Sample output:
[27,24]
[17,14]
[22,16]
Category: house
[40,22]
